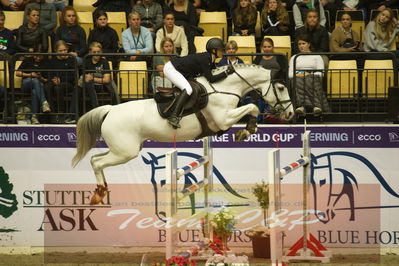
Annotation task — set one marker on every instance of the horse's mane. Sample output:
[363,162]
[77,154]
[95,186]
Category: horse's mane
[223,68]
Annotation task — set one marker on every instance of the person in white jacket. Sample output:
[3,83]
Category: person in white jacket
[301,7]
[176,33]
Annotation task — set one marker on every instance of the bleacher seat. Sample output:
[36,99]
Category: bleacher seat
[86,21]
[282,44]
[246,44]
[14,19]
[214,24]
[200,42]
[84,5]
[377,77]
[342,79]
[117,21]
[133,79]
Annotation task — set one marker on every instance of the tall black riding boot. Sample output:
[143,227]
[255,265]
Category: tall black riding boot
[175,117]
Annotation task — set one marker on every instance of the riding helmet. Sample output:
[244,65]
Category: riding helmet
[214,43]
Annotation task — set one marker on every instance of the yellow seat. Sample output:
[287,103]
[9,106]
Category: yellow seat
[14,19]
[246,44]
[214,24]
[342,79]
[377,78]
[86,21]
[84,5]
[133,79]
[282,44]
[200,42]
[117,21]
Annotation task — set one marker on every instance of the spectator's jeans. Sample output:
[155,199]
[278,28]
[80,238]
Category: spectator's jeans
[36,88]
[59,6]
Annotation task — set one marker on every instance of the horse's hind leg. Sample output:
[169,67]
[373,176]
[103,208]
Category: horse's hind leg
[103,160]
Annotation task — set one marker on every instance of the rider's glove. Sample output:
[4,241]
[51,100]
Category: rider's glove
[230,69]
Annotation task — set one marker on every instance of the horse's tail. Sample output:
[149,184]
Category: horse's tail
[88,131]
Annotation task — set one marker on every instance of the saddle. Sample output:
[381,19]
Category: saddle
[166,100]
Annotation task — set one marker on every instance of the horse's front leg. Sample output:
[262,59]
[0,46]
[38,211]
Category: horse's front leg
[233,116]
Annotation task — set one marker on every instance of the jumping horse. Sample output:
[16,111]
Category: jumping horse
[126,126]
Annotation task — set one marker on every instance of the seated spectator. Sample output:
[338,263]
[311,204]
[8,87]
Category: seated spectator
[58,4]
[231,59]
[176,33]
[73,34]
[382,4]
[344,38]
[307,79]
[277,64]
[48,16]
[186,16]
[62,82]
[210,6]
[158,78]
[105,35]
[32,81]
[97,75]
[244,18]
[14,5]
[137,39]
[318,34]
[301,9]
[332,7]
[7,43]
[380,33]
[31,34]
[151,15]
[113,6]
[274,19]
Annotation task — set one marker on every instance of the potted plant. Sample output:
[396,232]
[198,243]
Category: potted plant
[223,225]
[260,235]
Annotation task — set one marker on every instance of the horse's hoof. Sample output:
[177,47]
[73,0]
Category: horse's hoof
[241,135]
[99,194]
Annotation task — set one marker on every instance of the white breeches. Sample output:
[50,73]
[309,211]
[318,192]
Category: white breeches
[176,78]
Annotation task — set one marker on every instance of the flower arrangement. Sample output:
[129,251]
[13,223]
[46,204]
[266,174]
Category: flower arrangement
[231,260]
[176,261]
[223,224]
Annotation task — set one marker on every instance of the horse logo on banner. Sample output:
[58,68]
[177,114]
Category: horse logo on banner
[158,163]
[331,179]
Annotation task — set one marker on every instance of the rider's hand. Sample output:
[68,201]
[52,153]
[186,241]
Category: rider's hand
[230,70]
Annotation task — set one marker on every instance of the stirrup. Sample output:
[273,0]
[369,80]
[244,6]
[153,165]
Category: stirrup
[174,121]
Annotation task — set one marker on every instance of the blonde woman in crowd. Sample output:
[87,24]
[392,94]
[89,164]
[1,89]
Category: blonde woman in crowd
[274,18]
[158,78]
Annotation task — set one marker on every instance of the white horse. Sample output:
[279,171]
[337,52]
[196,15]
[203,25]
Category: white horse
[126,126]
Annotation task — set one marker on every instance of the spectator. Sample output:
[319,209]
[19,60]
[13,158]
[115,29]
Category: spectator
[7,43]
[288,4]
[97,75]
[32,81]
[105,35]
[317,33]
[302,8]
[48,16]
[382,4]
[14,5]
[274,19]
[276,64]
[151,15]
[231,48]
[62,81]
[244,18]
[211,6]
[73,34]
[174,32]
[158,78]
[380,33]
[58,4]
[113,5]
[307,79]
[344,38]
[30,34]
[186,16]
[137,39]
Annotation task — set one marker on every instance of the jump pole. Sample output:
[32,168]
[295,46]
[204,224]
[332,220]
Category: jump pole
[173,197]
[307,246]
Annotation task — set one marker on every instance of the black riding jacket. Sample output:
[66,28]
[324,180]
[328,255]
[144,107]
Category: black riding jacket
[195,65]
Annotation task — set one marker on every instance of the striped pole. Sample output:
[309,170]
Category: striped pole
[293,166]
[192,166]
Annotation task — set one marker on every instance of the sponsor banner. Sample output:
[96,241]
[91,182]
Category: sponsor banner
[266,137]
[353,198]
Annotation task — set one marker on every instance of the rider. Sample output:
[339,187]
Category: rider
[180,69]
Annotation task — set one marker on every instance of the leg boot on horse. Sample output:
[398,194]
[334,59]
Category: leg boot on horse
[175,117]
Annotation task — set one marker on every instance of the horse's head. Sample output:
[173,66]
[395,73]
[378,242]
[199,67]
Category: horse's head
[277,96]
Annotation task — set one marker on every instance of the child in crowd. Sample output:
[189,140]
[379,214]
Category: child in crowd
[33,81]
[97,76]
[62,81]
[158,78]
[231,59]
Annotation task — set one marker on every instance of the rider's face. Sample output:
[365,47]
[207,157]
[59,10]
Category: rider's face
[219,53]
